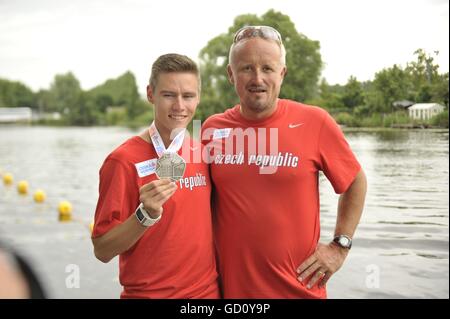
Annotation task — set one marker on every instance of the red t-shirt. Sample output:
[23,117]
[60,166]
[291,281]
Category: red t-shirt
[175,257]
[266,221]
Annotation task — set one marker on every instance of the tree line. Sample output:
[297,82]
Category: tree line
[369,103]
[117,101]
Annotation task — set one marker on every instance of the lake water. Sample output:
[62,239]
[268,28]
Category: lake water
[400,249]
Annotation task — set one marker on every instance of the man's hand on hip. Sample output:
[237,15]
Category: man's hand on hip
[320,266]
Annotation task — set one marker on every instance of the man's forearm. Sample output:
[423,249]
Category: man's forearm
[118,240]
[350,206]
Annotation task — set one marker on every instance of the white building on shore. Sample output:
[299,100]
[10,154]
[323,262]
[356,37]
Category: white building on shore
[425,111]
[15,114]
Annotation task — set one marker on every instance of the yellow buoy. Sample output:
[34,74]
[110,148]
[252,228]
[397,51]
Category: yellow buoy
[39,196]
[22,187]
[8,179]
[65,211]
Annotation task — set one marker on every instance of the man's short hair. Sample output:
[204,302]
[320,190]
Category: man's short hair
[170,63]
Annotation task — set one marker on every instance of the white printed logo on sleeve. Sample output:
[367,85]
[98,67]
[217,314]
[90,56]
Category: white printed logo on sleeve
[146,168]
[221,133]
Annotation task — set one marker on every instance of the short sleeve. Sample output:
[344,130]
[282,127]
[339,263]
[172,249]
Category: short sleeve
[338,162]
[116,199]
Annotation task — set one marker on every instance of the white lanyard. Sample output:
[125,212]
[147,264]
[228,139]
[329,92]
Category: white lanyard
[158,143]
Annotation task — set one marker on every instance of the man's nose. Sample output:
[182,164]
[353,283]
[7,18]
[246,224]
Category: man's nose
[178,105]
[258,76]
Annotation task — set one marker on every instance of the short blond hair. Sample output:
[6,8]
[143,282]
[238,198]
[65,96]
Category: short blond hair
[170,63]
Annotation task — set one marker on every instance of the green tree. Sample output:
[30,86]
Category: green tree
[44,101]
[439,90]
[419,82]
[329,97]
[65,93]
[390,85]
[353,95]
[423,74]
[122,92]
[67,97]
[130,100]
[15,94]
[304,63]
[102,101]
[83,112]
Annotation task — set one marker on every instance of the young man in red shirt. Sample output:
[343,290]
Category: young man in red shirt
[266,154]
[154,200]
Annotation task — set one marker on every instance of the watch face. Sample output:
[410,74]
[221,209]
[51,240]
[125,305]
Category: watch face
[344,241]
[139,215]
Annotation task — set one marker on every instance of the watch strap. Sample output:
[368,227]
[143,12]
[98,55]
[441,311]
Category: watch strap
[144,218]
[343,241]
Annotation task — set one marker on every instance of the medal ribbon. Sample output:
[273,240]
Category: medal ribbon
[158,143]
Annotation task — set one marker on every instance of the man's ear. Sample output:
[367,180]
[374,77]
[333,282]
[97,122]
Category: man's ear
[230,74]
[283,73]
[150,94]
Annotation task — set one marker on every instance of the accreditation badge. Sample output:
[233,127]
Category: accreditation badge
[170,165]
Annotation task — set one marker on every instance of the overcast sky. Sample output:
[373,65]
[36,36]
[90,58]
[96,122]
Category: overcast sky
[101,39]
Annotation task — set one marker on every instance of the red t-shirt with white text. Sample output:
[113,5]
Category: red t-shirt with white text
[175,257]
[266,198]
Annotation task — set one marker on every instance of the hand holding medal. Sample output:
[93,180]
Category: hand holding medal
[170,168]
[154,194]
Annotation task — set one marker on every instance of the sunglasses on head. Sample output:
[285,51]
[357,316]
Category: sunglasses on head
[263,31]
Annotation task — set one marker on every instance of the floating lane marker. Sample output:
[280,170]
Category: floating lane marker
[8,179]
[65,211]
[22,187]
[39,196]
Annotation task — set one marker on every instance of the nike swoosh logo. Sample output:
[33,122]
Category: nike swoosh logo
[194,148]
[295,125]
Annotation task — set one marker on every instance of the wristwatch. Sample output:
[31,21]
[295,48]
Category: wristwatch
[144,218]
[343,241]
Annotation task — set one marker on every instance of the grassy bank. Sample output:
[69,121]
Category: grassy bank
[392,120]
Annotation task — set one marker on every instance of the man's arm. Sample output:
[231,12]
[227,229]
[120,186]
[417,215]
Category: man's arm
[350,206]
[118,240]
[328,258]
[122,237]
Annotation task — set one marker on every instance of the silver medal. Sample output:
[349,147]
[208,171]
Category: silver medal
[170,165]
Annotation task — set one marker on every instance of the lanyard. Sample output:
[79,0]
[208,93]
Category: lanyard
[158,143]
